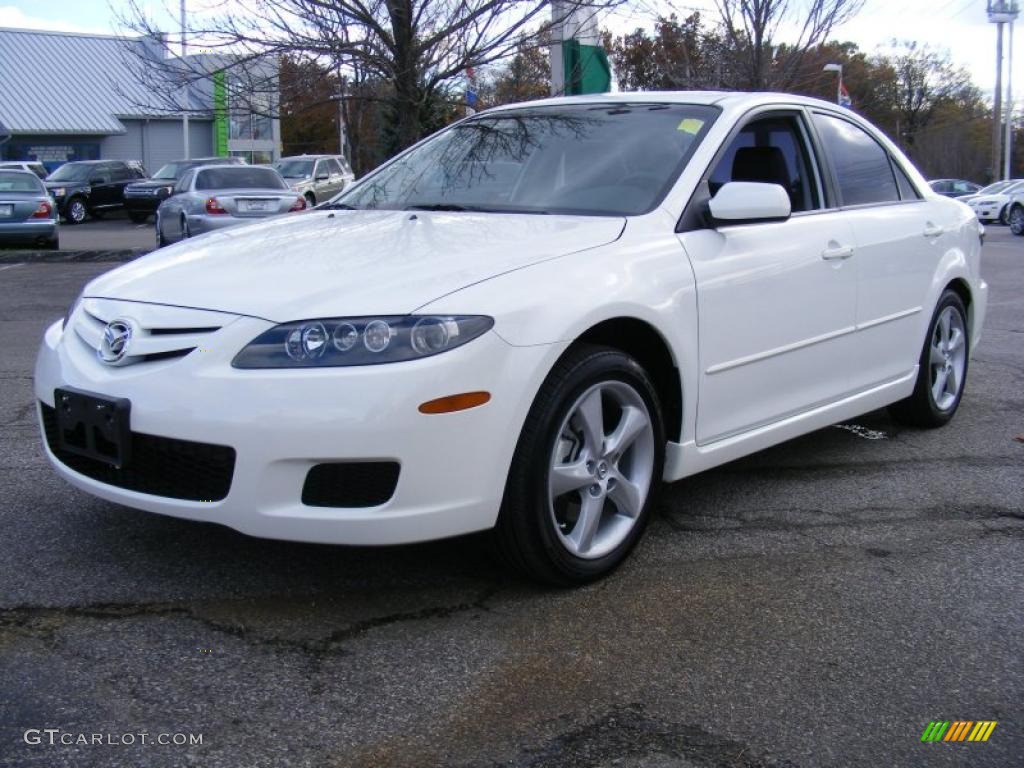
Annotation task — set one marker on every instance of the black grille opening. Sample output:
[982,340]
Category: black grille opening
[161,466]
[350,484]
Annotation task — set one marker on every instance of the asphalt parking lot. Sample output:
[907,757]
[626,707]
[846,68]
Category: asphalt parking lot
[816,604]
[113,232]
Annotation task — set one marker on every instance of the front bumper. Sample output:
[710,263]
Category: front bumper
[988,212]
[283,422]
[147,204]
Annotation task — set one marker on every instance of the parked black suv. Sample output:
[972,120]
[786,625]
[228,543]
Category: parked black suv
[91,187]
[142,198]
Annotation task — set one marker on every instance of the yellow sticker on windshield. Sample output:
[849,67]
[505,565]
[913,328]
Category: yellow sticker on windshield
[691,125]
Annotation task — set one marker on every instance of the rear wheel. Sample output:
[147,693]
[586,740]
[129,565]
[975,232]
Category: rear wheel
[585,471]
[310,199]
[1017,220]
[185,231]
[942,370]
[75,211]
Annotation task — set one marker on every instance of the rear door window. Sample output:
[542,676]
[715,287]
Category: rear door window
[864,173]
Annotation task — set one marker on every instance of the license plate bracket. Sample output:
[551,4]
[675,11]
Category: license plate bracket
[256,206]
[94,426]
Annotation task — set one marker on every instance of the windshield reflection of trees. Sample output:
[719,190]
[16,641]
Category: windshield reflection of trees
[455,166]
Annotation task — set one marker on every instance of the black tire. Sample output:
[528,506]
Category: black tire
[160,240]
[920,409]
[138,217]
[310,199]
[186,233]
[526,536]
[1016,218]
[75,210]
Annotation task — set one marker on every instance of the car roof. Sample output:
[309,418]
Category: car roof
[724,99]
[19,170]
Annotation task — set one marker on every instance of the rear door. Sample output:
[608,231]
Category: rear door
[776,300]
[899,237]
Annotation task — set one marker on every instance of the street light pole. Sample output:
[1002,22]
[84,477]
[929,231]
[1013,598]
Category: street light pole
[838,69]
[999,13]
[184,115]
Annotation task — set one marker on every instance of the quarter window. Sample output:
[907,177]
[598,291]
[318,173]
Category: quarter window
[863,171]
[907,189]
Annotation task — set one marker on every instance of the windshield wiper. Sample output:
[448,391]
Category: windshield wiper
[458,207]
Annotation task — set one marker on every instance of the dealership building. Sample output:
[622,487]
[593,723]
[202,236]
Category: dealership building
[67,96]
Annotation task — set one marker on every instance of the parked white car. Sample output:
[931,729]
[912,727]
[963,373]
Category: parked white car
[992,204]
[523,324]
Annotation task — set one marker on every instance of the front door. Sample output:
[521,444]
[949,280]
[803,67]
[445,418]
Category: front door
[777,301]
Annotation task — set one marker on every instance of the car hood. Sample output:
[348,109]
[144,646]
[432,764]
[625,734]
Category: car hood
[323,264]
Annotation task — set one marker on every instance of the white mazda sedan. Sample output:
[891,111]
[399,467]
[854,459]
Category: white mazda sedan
[524,323]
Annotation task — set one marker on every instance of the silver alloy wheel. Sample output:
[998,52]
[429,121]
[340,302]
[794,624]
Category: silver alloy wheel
[601,468]
[1017,220]
[948,358]
[76,211]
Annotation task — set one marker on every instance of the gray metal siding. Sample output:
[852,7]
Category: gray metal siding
[63,103]
[124,146]
[164,144]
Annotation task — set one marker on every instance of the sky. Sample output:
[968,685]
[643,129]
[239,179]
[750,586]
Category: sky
[959,26]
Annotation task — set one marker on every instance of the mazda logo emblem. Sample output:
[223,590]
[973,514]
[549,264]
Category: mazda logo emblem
[116,338]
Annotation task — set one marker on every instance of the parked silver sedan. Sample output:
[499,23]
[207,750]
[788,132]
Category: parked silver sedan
[213,197]
[28,215]
[316,177]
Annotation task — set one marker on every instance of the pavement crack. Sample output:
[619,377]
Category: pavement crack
[46,623]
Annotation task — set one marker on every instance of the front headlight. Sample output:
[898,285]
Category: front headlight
[359,340]
[70,312]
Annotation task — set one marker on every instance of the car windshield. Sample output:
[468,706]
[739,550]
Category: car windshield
[591,159]
[19,182]
[240,177]
[993,189]
[171,171]
[295,169]
[71,172]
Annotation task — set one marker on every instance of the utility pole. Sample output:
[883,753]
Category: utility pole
[999,13]
[1008,155]
[184,115]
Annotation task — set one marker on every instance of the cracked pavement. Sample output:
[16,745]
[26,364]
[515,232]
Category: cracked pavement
[816,604]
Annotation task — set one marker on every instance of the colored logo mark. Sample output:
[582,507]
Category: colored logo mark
[958,730]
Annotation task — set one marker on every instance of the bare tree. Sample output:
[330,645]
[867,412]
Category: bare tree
[752,28]
[419,47]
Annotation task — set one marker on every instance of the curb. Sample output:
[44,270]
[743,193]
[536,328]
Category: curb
[65,257]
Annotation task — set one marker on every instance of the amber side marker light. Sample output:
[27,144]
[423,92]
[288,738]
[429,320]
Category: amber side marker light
[455,402]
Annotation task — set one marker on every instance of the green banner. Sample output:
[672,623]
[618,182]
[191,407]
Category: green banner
[586,68]
[220,115]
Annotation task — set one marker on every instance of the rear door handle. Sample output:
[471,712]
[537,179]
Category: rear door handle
[840,252]
[933,230]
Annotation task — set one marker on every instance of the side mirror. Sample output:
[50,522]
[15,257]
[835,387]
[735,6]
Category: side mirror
[745,202]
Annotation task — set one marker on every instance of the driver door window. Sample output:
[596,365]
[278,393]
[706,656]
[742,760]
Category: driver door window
[772,151]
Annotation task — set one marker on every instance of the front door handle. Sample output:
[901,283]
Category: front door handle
[839,252]
[933,230]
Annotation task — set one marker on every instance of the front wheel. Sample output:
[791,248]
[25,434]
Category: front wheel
[586,468]
[1004,215]
[75,212]
[942,369]
[1017,220]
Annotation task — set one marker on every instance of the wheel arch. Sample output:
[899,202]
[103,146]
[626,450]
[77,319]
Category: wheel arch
[645,343]
[962,288]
